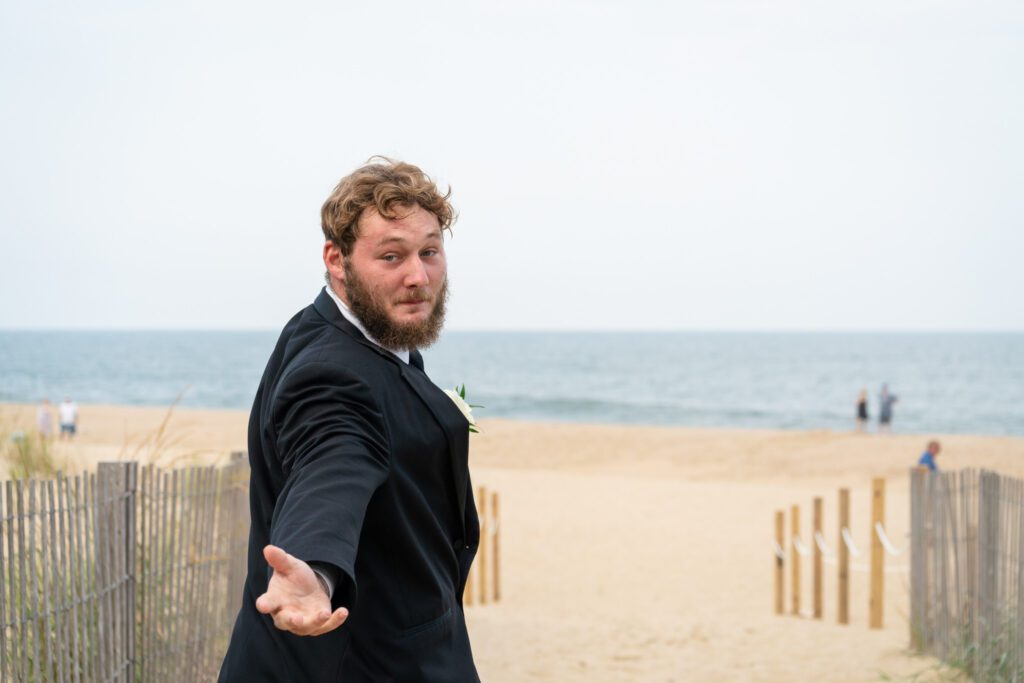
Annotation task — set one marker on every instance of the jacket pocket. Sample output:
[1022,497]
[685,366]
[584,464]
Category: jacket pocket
[427,633]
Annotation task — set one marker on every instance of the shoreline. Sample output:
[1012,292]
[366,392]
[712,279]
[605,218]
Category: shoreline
[208,436]
[7,407]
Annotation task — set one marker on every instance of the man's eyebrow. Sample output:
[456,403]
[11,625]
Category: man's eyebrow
[400,239]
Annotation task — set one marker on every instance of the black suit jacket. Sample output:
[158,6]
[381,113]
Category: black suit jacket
[360,461]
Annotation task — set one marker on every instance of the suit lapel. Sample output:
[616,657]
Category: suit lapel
[443,410]
[454,426]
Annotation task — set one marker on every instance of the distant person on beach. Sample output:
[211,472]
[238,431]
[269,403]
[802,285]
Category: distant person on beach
[927,459]
[862,410]
[44,419]
[68,411]
[359,462]
[885,403]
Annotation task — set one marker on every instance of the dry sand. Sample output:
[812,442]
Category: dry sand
[641,553]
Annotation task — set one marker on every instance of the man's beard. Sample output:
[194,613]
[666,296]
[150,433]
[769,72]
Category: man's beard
[370,310]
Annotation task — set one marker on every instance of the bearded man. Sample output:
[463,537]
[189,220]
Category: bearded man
[363,520]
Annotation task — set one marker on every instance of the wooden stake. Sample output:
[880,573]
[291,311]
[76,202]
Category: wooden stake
[780,569]
[481,558]
[470,589]
[877,553]
[794,556]
[844,558]
[496,554]
[818,602]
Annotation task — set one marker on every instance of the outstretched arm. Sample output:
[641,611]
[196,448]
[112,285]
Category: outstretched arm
[295,598]
[333,448]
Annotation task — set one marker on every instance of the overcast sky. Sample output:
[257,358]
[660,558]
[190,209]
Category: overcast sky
[617,165]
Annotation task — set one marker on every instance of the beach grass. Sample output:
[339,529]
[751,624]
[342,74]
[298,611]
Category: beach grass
[27,453]
[161,445]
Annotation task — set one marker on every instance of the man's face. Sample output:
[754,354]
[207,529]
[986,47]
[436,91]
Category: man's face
[395,279]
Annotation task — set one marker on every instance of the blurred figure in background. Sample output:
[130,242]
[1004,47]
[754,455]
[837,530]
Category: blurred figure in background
[927,459]
[44,419]
[68,418]
[862,410]
[885,401]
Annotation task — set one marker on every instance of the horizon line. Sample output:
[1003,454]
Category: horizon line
[541,330]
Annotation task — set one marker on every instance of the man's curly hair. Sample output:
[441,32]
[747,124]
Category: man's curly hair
[388,186]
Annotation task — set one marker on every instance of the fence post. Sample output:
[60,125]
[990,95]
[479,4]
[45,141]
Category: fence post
[481,558]
[780,562]
[794,555]
[844,558]
[992,594]
[877,554]
[496,555]
[818,607]
[118,482]
[917,576]
[235,526]
[469,591]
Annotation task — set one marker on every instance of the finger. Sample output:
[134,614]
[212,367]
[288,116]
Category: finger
[278,559]
[336,619]
[265,604]
[288,619]
[306,625]
[282,620]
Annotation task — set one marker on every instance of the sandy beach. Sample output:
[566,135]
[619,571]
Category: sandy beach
[639,553]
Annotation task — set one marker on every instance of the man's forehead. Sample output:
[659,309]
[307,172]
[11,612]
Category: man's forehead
[414,224]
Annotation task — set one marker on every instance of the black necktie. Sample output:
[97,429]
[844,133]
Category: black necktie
[415,359]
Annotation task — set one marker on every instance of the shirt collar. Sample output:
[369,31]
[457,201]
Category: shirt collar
[402,355]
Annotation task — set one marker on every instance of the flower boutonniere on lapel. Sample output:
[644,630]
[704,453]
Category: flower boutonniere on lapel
[458,397]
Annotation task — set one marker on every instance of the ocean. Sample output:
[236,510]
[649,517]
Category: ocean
[946,383]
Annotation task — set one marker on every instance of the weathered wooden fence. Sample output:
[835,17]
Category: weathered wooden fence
[967,571]
[125,574]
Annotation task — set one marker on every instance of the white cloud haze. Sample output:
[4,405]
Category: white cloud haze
[712,165]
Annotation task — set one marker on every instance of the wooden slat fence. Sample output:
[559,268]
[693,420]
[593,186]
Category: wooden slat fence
[125,574]
[967,571]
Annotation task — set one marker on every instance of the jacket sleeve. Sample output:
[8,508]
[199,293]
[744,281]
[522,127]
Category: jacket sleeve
[334,449]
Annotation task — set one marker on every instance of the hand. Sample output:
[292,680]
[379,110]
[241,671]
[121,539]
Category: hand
[295,597]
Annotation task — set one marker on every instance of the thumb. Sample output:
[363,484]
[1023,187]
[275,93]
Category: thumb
[278,559]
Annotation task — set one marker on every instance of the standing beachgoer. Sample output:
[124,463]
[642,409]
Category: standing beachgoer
[44,419]
[885,402]
[68,418]
[862,411]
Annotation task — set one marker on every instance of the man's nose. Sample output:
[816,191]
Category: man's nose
[416,276]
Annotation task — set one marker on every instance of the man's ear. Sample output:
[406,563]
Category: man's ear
[334,261]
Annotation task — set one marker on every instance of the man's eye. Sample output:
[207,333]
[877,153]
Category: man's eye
[430,252]
[390,258]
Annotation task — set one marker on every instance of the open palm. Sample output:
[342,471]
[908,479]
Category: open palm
[295,598]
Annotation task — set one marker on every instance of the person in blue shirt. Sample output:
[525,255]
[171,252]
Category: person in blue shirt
[927,458]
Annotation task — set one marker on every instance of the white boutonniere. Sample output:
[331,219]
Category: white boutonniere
[458,397]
